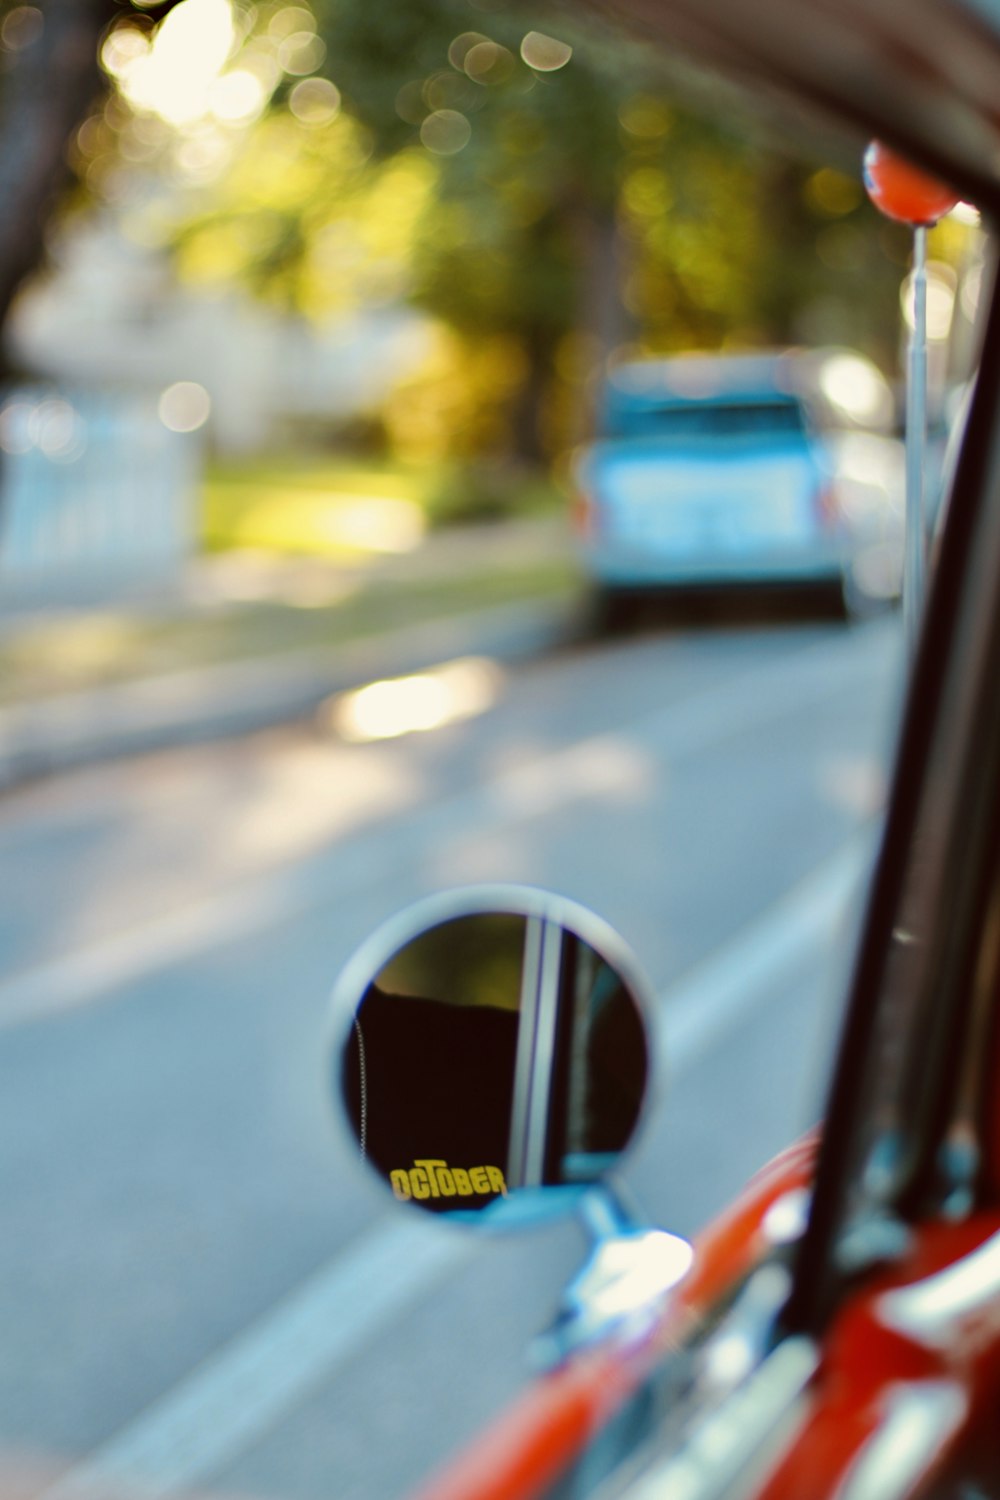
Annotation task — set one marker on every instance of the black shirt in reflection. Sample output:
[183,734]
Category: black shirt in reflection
[617,1068]
[429,1089]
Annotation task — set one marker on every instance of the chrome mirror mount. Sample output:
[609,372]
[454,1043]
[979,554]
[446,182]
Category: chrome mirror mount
[621,1289]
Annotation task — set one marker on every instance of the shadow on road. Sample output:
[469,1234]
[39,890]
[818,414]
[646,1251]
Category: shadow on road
[705,609]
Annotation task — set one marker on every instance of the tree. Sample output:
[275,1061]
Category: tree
[49,81]
[546,194]
[522,241]
[561,198]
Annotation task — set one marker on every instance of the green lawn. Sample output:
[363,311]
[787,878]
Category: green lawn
[343,507]
[104,647]
[322,519]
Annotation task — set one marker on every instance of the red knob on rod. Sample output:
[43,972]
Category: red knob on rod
[902,191]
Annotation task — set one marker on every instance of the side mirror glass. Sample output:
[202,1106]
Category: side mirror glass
[491,1055]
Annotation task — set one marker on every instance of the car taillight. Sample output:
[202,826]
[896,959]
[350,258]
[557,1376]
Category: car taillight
[583,515]
[827,507]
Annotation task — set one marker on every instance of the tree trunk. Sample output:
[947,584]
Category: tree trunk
[598,315]
[603,319]
[46,89]
[527,445]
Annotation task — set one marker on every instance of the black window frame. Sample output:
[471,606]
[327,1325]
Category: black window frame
[948,762]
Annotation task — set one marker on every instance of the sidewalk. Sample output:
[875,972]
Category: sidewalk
[234,644]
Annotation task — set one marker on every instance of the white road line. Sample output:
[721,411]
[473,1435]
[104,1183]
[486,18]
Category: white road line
[602,765]
[247,1387]
[87,973]
[241,1391]
[743,972]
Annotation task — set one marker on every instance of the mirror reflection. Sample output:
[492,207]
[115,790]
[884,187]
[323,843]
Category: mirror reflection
[493,1052]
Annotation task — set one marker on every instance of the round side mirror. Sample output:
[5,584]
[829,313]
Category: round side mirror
[491,1055]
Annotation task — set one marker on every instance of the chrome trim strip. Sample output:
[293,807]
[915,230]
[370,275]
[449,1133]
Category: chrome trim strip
[524,1064]
[734,1448]
[546,1018]
[932,1310]
[917,1422]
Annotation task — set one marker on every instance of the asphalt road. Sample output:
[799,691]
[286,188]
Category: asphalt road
[196,1289]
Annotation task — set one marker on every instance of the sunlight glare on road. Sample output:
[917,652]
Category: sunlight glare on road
[606,767]
[856,783]
[412,705]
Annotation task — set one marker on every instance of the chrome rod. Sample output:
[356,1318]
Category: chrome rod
[524,1067]
[915,561]
[546,1020]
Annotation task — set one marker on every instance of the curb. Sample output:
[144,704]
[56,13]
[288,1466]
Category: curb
[219,702]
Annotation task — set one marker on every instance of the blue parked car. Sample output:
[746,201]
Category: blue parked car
[750,469]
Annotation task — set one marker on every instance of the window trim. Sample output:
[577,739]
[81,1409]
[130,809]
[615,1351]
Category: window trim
[951,695]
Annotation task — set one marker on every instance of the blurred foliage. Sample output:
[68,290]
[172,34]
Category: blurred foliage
[294,502]
[50,82]
[457,402]
[302,219]
[297,606]
[548,198]
[471,960]
[547,195]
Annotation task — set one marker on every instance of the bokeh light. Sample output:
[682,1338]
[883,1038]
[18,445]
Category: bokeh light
[58,431]
[645,118]
[290,20]
[857,389]
[314,101]
[301,53]
[237,96]
[173,75]
[463,45]
[832,193]
[445,132]
[184,406]
[21,26]
[410,105]
[489,63]
[53,426]
[545,53]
